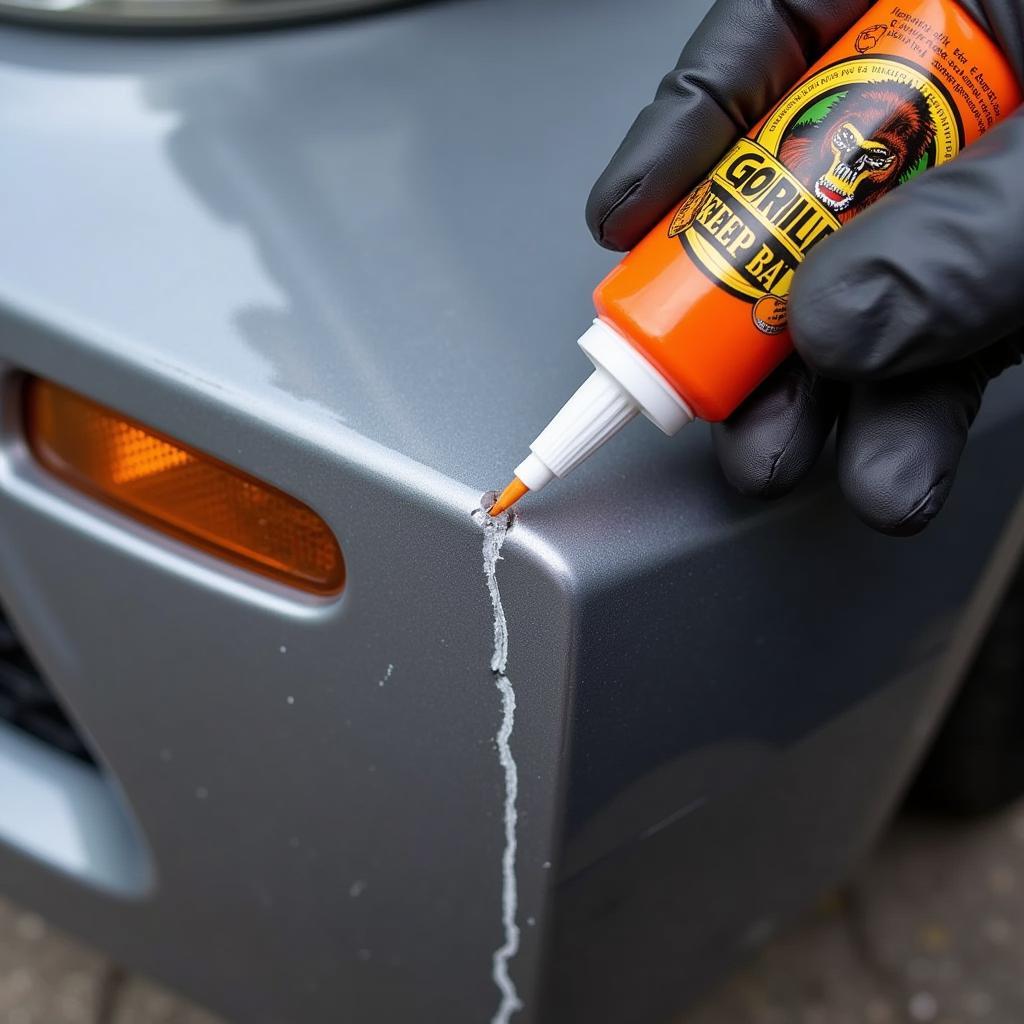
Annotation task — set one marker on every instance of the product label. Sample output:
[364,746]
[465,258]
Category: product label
[835,145]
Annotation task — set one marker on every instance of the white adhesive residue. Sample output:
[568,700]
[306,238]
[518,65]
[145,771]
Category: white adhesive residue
[494,536]
[387,675]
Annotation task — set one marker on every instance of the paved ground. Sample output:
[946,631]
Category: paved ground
[47,978]
[932,930]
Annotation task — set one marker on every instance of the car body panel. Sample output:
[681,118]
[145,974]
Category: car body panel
[349,259]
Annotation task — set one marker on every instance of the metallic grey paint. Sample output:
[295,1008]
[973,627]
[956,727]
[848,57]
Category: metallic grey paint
[179,15]
[327,255]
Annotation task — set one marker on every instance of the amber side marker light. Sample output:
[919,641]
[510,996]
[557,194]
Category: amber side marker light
[176,489]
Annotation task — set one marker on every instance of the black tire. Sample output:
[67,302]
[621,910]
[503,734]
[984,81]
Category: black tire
[976,765]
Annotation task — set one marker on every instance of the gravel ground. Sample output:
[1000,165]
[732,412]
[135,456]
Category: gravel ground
[931,930]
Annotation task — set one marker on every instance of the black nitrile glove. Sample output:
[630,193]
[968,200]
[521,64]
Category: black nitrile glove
[899,320]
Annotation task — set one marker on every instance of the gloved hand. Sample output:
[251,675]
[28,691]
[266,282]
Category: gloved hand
[931,303]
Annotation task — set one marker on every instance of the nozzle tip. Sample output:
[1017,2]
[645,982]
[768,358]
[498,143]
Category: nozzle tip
[508,497]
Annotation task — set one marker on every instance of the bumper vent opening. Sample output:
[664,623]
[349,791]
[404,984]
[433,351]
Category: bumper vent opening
[57,805]
[27,702]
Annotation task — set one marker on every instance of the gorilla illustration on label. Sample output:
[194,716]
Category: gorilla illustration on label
[870,138]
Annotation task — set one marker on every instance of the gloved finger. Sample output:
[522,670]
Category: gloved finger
[898,444]
[776,436]
[741,59]
[925,276]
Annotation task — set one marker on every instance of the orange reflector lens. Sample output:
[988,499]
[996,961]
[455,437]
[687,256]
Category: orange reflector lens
[195,497]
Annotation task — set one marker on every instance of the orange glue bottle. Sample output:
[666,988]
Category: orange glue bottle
[694,318]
